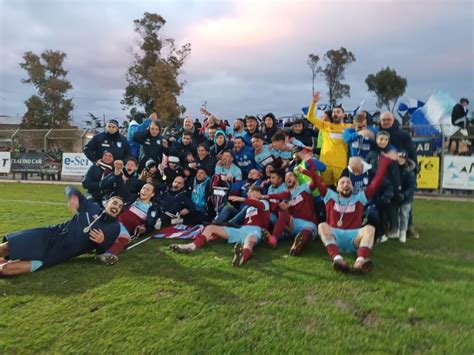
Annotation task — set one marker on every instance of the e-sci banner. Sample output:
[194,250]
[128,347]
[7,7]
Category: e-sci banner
[428,177]
[5,162]
[36,162]
[458,172]
[75,164]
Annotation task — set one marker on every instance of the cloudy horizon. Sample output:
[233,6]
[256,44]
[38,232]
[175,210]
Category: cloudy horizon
[247,57]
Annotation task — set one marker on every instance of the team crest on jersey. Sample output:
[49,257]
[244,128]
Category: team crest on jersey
[153,214]
[119,144]
[365,180]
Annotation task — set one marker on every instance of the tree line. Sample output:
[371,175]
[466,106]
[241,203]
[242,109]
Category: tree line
[153,79]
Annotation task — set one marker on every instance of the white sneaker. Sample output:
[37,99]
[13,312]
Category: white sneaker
[403,237]
[383,238]
[393,235]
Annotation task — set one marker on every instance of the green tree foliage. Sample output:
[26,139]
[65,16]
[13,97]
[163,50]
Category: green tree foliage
[153,77]
[50,107]
[387,85]
[336,64]
[312,62]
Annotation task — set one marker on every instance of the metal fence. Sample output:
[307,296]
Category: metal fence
[65,140]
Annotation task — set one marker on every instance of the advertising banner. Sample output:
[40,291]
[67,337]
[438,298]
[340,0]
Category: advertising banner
[428,177]
[75,164]
[36,162]
[458,172]
[5,162]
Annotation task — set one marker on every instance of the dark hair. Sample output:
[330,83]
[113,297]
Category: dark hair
[188,133]
[258,136]
[228,151]
[464,100]
[298,121]
[278,137]
[339,106]
[203,145]
[279,172]
[132,159]
[239,137]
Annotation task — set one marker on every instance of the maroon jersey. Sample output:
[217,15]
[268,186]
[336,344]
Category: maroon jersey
[258,213]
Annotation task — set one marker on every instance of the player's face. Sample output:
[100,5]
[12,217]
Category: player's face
[111,128]
[238,145]
[401,160]
[290,179]
[275,180]
[257,143]
[212,133]
[147,192]
[178,183]
[131,167]
[386,120]
[188,123]
[201,175]
[344,187]
[268,122]
[220,139]
[269,169]
[107,158]
[114,206]
[202,152]
[382,141]
[254,195]
[251,125]
[226,158]
[186,140]
[298,128]
[238,125]
[154,130]
[279,145]
[359,126]
[254,174]
[337,114]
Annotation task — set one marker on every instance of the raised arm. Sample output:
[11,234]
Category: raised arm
[311,116]
[316,180]
[384,162]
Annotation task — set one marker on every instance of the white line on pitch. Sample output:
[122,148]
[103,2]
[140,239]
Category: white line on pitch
[31,201]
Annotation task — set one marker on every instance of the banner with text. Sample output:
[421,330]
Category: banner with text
[36,162]
[5,162]
[75,164]
[458,172]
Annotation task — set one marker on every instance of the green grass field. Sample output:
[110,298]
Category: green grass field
[418,299]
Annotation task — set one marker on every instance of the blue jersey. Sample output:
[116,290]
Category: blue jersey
[264,158]
[245,159]
[233,170]
[359,146]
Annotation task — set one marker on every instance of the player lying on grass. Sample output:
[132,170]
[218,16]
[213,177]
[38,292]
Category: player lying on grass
[343,231]
[136,218]
[257,220]
[89,229]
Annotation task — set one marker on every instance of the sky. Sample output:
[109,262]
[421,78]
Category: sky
[248,57]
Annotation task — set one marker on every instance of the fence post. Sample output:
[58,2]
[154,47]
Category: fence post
[441,163]
[45,140]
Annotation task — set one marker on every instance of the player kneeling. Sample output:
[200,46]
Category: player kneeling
[257,220]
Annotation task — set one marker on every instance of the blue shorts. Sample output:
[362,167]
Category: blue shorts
[238,235]
[300,224]
[35,265]
[124,230]
[345,239]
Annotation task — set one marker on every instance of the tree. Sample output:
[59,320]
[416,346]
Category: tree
[50,108]
[153,77]
[387,85]
[312,61]
[336,64]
